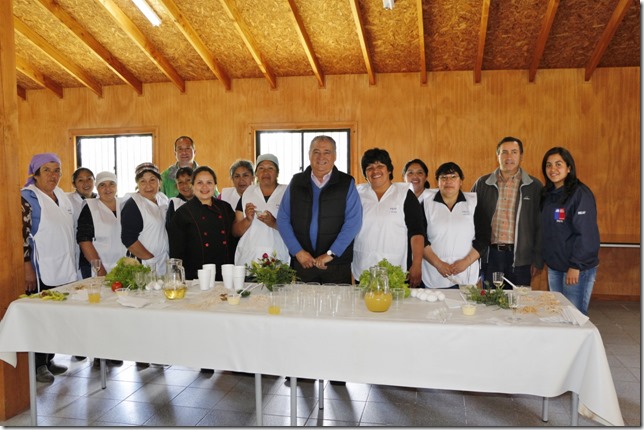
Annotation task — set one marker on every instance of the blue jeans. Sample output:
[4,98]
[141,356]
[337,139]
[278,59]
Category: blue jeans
[501,261]
[579,293]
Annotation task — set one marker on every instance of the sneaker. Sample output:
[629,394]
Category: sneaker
[44,375]
[56,369]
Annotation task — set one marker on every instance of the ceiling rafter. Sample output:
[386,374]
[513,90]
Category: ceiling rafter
[544,33]
[197,43]
[148,48]
[485,13]
[421,42]
[306,42]
[94,45]
[357,18]
[29,71]
[22,93]
[71,67]
[607,36]
[249,41]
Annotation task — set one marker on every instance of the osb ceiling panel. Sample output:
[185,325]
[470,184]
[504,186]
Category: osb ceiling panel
[513,28]
[451,34]
[451,37]
[390,33]
[333,34]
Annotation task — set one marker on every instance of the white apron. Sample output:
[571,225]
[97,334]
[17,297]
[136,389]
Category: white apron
[107,232]
[260,238]
[231,196]
[54,242]
[383,233]
[77,205]
[154,235]
[451,235]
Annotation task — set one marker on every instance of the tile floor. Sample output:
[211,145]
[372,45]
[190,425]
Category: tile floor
[179,396]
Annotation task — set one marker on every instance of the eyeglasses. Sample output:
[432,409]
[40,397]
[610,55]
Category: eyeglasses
[446,178]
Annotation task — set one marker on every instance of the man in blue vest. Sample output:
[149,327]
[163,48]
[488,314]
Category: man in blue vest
[319,216]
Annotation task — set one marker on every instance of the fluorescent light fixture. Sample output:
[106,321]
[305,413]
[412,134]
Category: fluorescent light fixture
[388,4]
[146,10]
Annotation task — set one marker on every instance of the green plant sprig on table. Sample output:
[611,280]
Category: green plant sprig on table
[397,276]
[488,296]
[124,272]
[270,270]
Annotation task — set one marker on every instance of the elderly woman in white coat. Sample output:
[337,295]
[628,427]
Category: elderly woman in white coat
[456,232]
[99,226]
[48,235]
[256,215]
[143,230]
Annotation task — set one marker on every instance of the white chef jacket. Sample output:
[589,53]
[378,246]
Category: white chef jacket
[107,232]
[154,235]
[54,242]
[451,234]
[260,238]
[383,233]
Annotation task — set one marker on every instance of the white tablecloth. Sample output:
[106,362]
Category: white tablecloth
[404,347]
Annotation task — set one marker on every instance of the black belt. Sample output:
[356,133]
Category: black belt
[503,247]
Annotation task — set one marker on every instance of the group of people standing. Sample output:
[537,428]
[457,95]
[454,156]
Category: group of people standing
[328,228]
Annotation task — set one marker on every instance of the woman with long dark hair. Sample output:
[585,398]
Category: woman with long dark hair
[570,245]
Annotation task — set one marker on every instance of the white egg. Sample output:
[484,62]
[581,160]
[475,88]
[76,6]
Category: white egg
[157,286]
[422,295]
[148,287]
[440,296]
[432,298]
[414,292]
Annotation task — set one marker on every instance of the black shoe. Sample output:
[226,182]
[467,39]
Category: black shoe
[142,365]
[338,382]
[97,363]
[55,369]
[207,370]
[299,380]
[115,362]
[79,357]
[44,375]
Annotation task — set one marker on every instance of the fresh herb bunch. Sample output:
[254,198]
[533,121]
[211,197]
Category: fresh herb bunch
[488,296]
[124,272]
[397,277]
[270,270]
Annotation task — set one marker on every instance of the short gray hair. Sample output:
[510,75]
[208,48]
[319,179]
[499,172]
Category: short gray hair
[322,138]
[241,163]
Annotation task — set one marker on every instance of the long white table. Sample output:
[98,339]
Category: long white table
[465,353]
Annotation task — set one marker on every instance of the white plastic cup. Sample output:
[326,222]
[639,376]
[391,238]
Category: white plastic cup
[227,275]
[213,273]
[204,278]
[239,271]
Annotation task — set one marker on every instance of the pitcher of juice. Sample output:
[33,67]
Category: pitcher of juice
[174,284]
[378,296]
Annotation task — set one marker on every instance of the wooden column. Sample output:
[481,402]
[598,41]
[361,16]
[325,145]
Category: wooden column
[14,382]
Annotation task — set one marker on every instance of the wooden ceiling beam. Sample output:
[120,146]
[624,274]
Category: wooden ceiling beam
[146,46]
[485,12]
[73,69]
[197,43]
[306,42]
[94,45]
[607,36]
[421,42]
[29,71]
[544,33]
[22,92]
[357,18]
[249,41]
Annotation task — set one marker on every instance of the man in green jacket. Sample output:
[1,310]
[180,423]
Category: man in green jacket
[184,151]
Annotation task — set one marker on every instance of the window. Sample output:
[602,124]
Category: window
[119,154]
[291,147]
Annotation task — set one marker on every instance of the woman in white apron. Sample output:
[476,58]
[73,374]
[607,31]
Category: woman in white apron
[143,229]
[48,234]
[455,231]
[99,226]
[256,215]
[392,220]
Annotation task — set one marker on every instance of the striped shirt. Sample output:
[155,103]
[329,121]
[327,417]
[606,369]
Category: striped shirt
[504,219]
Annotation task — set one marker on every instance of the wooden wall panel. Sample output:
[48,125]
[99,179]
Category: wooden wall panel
[449,119]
